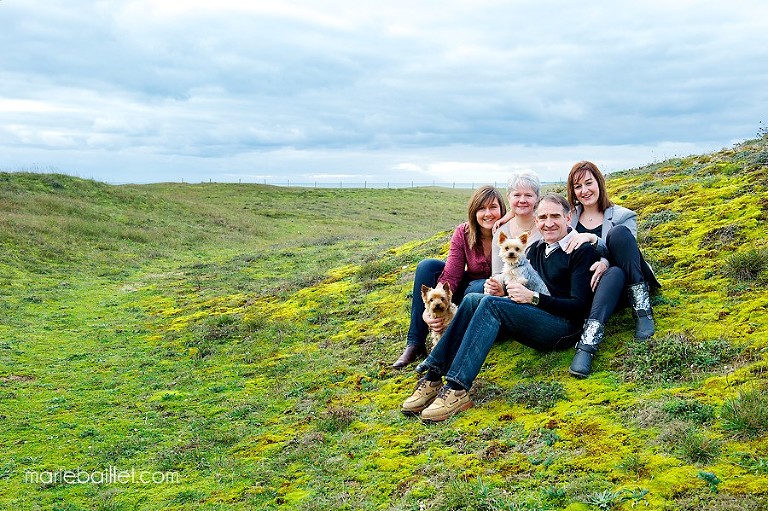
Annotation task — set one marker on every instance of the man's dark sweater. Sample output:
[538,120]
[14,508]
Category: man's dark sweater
[567,277]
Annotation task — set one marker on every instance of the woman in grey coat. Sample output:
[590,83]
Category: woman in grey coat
[621,271]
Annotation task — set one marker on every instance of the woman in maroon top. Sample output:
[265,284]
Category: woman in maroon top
[466,269]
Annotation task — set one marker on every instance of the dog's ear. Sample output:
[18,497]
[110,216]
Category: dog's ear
[502,237]
[524,237]
[424,291]
[446,287]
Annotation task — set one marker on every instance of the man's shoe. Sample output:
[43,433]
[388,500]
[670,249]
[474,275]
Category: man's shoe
[411,354]
[426,392]
[447,403]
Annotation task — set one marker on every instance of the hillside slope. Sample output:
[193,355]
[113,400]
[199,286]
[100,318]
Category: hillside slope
[260,376]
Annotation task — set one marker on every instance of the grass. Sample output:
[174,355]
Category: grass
[677,358]
[748,266]
[691,443]
[537,394]
[689,410]
[240,337]
[746,415]
[607,500]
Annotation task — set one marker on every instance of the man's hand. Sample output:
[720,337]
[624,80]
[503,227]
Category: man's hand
[492,287]
[519,293]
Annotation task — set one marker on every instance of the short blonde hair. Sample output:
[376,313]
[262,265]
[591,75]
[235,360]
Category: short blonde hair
[526,179]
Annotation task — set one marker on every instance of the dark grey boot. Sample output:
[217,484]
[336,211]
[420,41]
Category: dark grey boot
[591,337]
[640,298]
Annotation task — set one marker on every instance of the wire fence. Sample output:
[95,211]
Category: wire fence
[467,185]
[374,184]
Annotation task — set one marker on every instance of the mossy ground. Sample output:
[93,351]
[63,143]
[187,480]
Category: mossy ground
[240,337]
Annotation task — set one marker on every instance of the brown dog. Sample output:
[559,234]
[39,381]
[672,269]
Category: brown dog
[438,304]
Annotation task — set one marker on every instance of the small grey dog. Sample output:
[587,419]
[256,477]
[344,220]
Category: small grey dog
[517,268]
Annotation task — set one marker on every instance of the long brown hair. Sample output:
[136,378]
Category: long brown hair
[479,199]
[577,172]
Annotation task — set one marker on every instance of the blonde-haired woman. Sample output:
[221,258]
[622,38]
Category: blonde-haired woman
[523,191]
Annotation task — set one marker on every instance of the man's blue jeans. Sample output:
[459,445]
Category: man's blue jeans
[480,320]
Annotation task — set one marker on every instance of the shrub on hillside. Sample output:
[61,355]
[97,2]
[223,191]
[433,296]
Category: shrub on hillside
[675,358]
[690,442]
[473,495]
[746,415]
[537,394]
[750,266]
[729,236]
[658,218]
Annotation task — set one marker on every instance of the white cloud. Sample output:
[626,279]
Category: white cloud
[379,91]
[408,167]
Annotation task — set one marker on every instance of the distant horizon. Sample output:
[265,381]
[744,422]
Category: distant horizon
[351,181]
[296,184]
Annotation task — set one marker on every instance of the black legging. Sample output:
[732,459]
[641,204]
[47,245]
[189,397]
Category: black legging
[625,270]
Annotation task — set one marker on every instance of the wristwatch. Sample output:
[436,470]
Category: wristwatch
[535,299]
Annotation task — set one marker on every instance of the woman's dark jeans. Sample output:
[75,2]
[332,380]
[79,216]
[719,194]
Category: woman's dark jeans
[427,273]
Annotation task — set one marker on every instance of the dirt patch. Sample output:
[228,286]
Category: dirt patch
[17,377]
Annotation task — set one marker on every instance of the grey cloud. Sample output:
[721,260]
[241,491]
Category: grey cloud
[340,77]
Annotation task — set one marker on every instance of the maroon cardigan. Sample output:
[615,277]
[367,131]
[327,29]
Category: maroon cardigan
[464,262]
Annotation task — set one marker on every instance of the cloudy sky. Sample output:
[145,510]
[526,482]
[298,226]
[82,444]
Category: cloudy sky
[304,91]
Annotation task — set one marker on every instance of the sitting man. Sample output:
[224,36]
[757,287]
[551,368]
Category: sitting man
[539,321]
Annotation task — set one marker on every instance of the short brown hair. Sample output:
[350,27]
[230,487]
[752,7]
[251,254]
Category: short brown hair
[577,172]
[555,198]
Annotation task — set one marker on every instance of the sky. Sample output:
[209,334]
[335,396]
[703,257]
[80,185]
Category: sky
[356,91]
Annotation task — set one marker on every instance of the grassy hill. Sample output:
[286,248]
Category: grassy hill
[233,342]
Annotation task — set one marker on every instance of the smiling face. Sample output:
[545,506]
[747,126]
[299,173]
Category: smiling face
[586,189]
[487,215]
[522,201]
[552,220]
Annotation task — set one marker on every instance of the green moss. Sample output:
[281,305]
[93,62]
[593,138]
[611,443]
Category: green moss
[185,332]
